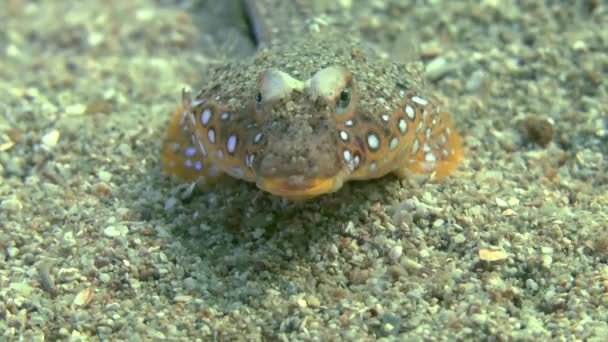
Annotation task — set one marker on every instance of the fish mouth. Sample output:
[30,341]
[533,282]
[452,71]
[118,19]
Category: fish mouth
[299,188]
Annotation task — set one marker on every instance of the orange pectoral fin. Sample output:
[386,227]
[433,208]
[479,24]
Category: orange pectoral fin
[180,156]
[438,153]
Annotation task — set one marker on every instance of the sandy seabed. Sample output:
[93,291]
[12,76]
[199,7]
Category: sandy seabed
[98,244]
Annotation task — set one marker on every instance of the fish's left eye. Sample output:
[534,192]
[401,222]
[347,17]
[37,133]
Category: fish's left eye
[258,101]
[343,99]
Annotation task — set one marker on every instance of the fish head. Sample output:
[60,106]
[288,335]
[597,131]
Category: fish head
[299,157]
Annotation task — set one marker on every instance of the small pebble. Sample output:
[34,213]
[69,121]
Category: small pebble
[501,203]
[102,188]
[12,252]
[424,253]
[313,301]
[302,303]
[28,259]
[509,212]
[459,238]
[182,298]
[579,45]
[99,106]
[104,277]
[490,255]
[76,109]
[388,328]
[395,253]
[601,127]
[13,51]
[546,261]
[170,203]
[475,82]
[537,130]
[532,285]
[95,39]
[145,14]
[46,281]
[68,274]
[6,142]
[116,231]
[11,205]
[125,150]
[411,265]
[479,319]
[333,250]
[438,68]
[83,298]
[513,202]
[358,277]
[104,176]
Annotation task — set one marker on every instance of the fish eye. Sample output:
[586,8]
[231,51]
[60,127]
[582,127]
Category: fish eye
[258,101]
[343,99]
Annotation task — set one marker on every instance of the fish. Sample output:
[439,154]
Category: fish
[307,114]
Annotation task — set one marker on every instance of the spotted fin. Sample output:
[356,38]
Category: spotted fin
[434,147]
[231,140]
[180,156]
[376,142]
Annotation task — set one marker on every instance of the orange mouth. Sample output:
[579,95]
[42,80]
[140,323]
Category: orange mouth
[298,188]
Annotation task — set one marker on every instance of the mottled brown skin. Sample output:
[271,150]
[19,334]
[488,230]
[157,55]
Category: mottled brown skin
[307,114]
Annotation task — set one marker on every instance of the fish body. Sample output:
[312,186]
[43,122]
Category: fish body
[307,114]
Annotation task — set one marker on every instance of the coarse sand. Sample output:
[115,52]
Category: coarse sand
[96,243]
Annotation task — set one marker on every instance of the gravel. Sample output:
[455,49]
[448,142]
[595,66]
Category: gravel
[97,244]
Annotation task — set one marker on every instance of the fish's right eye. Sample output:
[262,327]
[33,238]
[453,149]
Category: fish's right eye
[343,100]
[258,101]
